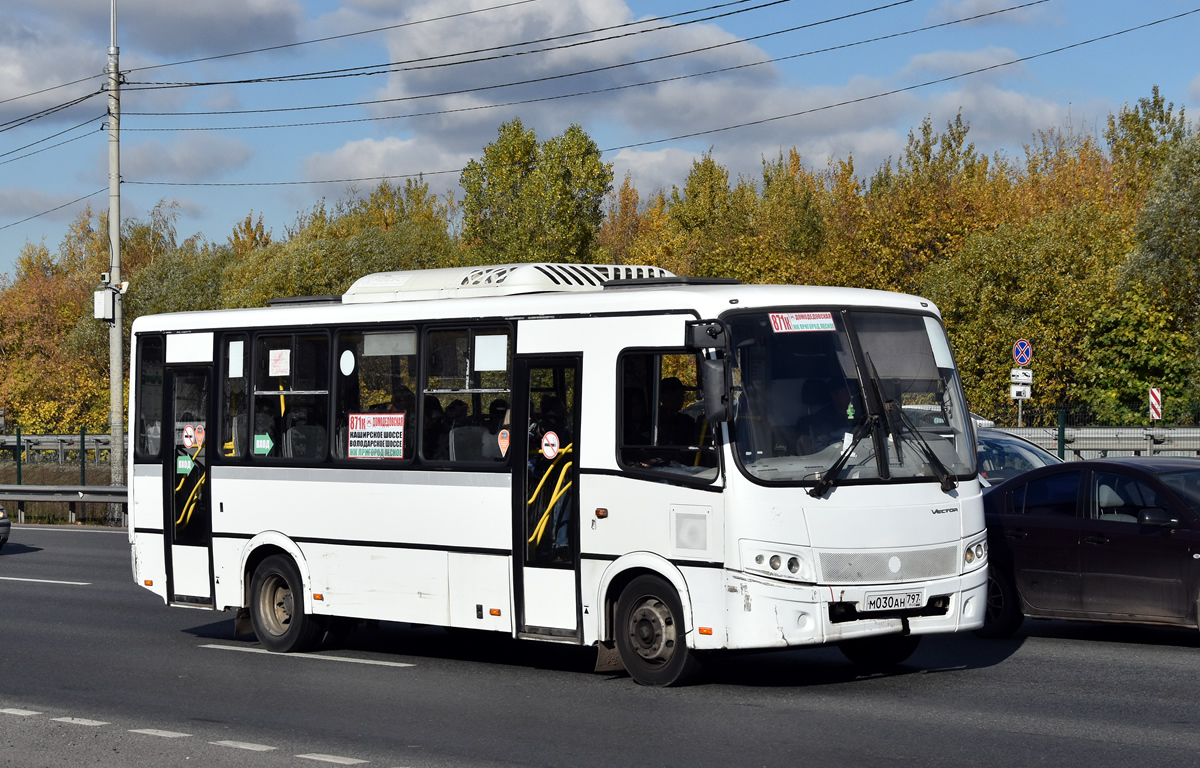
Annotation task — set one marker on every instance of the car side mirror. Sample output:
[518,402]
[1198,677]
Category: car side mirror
[1157,516]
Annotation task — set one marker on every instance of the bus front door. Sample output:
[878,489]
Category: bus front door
[189,515]
[547,497]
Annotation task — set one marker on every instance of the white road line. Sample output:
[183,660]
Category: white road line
[156,732]
[76,528]
[334,759]
[309,656]
[79,721]
[243,745]
[20,712]
[48,581]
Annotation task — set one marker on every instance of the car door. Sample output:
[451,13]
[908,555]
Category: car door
[1130,569]
[1040,535]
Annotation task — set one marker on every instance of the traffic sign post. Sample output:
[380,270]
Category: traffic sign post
[1021,386]
[1155,403]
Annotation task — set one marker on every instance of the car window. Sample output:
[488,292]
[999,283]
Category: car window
[1186,485]
[1050,496]
[1119,498]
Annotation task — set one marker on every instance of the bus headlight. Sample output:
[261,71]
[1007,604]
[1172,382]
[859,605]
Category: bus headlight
[780,561]
[975,554]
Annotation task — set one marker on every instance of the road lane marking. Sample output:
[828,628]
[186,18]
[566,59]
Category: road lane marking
[156,732]
[79,721]
[309,656]
[20,712]
[48,581]
[334,759]
[243,745]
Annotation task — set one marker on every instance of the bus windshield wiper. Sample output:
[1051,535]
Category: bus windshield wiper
[866,427]
[947,480]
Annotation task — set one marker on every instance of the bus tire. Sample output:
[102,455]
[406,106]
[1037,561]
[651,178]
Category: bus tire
[881,651]
[277,607]
[650,634]
[1002,615]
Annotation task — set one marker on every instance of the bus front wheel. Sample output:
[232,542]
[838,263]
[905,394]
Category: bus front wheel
[650,634]
[277,607]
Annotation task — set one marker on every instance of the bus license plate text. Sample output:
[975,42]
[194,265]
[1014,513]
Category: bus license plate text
[894,601]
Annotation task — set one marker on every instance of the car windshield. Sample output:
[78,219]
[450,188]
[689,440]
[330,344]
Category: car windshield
[1185,485]
[811,383]
[1002,456]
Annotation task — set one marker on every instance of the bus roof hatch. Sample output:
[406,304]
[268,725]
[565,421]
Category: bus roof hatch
[498,280]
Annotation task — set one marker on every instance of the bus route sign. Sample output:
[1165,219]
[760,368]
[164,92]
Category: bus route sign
[1022,352]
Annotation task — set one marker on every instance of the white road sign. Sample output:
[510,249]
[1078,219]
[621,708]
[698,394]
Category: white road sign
[1020,391]
[1020,375]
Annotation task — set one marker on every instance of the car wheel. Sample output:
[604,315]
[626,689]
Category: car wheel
[277,607]
[1003,614]
[650,634]
[880,652]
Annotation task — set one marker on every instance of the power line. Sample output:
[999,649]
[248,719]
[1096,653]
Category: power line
[278,47]
[568,95]
[337,37]
[52,210]
[44,149]
[52,136]
[396,66]
[711,131]
[52,88]
[17,122]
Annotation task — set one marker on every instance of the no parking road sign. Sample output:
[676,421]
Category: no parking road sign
[1022,352]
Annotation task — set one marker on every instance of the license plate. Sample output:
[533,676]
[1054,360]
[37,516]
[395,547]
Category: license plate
[893,601]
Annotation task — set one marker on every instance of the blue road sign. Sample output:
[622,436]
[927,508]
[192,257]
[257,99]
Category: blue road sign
[1022,352]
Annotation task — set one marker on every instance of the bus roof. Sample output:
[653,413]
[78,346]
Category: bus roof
[527,290]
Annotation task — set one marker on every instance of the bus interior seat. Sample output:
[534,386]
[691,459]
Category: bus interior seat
[303,440]
[466,443]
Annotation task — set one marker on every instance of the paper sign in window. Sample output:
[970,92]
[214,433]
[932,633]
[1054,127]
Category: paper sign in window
[491,353]
[799,322]
[279,362]
[376,436]
[235,359]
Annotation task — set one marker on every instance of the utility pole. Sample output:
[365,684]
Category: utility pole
[116,350]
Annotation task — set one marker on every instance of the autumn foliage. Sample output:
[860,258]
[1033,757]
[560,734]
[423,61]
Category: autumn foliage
[1085,245]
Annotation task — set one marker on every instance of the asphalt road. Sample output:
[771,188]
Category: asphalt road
[96,671]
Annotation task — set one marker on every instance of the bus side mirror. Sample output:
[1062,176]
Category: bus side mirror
[716,391]
[705,334]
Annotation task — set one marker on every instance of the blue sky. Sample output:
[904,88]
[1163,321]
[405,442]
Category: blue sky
[176,157]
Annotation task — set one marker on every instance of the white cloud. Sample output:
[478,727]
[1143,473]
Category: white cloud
[1193,92]
[941,63]
[199,157]
[948,10]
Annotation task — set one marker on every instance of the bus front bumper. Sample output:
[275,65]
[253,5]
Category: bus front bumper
[762,613]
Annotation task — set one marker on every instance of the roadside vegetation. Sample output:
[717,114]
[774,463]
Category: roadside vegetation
[1088,246]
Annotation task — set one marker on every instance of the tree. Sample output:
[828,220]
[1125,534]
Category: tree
[1141,138]
[530,201]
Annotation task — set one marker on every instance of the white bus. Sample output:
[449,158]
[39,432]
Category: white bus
[607,456]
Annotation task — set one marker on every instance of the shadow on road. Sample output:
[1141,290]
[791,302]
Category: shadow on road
[783,668]
[17,548]
[1133,634]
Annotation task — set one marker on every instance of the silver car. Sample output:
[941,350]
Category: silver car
[1003,455]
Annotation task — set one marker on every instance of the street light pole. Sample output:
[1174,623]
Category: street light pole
[116,351]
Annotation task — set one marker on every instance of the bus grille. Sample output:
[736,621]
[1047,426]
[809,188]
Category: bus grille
[877,567]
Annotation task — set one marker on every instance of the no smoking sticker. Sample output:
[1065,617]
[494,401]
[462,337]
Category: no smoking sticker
[550,445]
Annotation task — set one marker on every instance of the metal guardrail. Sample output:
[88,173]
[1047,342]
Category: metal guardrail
[70,494]
[1100,442]
[57,445]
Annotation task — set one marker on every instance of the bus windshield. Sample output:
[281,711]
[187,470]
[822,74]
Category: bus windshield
[847,396]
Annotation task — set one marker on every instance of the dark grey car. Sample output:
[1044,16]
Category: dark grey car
[1102,540]
[5,527]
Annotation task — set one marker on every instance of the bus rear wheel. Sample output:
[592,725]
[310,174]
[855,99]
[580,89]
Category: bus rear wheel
[650,634]
[277,607]
[880,652]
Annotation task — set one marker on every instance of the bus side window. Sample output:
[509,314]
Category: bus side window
[375,403]
[467,394]
[148,422]
[235,396]
[663,428]
[291,396]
